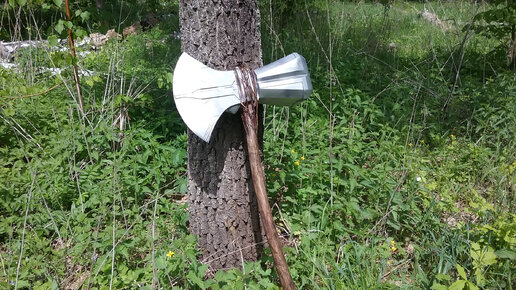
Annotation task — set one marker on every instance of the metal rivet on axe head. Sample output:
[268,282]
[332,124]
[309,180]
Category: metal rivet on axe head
[202,94]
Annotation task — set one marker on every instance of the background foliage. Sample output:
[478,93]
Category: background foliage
[399,171]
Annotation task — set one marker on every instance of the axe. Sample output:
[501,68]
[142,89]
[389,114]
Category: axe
[202,94]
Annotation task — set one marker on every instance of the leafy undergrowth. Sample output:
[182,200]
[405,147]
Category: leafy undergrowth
[395,173]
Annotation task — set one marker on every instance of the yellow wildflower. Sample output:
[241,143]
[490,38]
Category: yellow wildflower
[388,262]
[170,254]
[410,144]
[392,243]
[393,249]
[297,163]
[292,151]
[302,157]
[422,141]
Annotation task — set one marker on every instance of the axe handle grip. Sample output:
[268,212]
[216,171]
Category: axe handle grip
[263,204]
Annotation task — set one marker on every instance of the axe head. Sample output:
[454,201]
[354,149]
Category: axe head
[202,94]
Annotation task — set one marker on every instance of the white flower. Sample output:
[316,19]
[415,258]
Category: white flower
[418,179]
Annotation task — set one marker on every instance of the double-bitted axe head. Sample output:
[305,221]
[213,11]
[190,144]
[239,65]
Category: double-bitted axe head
[202,94]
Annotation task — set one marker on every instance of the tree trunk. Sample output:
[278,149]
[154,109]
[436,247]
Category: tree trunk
[222,203]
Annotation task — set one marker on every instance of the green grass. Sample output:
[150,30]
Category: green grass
[412,162]
[387,177]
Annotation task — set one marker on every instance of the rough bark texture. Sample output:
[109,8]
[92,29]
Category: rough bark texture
[222,203]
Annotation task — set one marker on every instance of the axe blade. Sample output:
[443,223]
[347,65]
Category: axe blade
[284,82]
[202,94]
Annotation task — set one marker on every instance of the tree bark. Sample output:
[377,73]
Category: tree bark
[222,204]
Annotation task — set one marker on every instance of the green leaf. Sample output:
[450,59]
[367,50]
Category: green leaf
[52,40]
[489,258]
[22,2]
[90,82]
[58,2]
[183,185]
[461,272]
[201,271]
[68,24]
[126,98]
[475,249]
[23,283]
[44,286]
[472,286]
[85,15]
[394,225]
[482,256]
[59,26]
[506,254]
[443,277]
[194,279]
[170,77]
[161,263]
[54,286]
[437,286]
[239,284]
[480,277]
[80,32]
[457,285]
[9,111]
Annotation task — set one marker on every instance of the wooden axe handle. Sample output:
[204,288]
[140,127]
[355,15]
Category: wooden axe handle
[263,203]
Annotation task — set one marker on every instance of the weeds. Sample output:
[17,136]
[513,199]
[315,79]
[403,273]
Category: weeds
[395,173]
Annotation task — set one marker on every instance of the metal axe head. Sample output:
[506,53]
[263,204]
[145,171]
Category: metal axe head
[202,94]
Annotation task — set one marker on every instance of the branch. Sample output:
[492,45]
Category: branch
[72,51]
[33,95]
